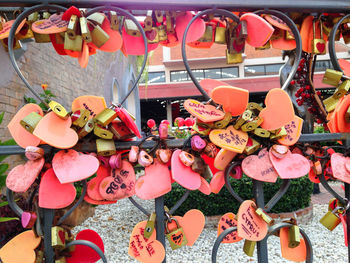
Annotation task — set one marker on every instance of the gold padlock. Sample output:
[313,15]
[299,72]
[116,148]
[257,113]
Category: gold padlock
[342,89]
[162,33]
[80,117]
[260,212]
[201,130]
[31,121]
[318,44]
[106,116]
[278,134]
[16,44]
[176,237]
[331,220]
[233,58]
[246,116]
[254,107]
[148,22]
[84,29]
[159,15]
[58,109]
[73,44]
[249,247]
[102,132]
[149,228]
[105,147]
[289,34]
[248,150]
[46,15]
[170,23]
[332,77]
[131,28]
[33,17]
[220,35]
[293,236]
[252,125]
[262,133]
[208,34]
[114,21]
[277,34]
[152,35]
[330,103]
[97,18]
[59,236]
[267,45]
[28,32]
[98,36]
[224,122]
[72,27]
[41,38]
[88,127]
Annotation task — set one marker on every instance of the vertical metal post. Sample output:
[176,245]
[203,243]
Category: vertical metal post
[48,220]
[160,218]
[258,191]
[347,195]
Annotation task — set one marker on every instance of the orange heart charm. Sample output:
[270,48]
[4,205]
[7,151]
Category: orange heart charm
[217,182]
[226,221]
[93,185]
[94,104]
[293,132]
[297,254]
[279,110]
[205,187]
[54,24]
[205,113]
[250,225]
[340,163]
[229,139]
[143,249]
[6,27]
[21,248]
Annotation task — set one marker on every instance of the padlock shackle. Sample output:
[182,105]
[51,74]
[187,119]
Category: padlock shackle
[169,221]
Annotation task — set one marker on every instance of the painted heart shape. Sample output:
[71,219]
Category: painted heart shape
[209,84]
[321,47]
[297,254]
[283,44]
[205,187]
[6,27]
[338,163]
[56,132]
[28,219]
[145,250]
[21,177]
[121,183]
[293,130]
[291,166]
[98,202]
[70,166]
[53,194]
[157,172]
[22,137]
[224,95]
[229,139]
[83,58]
[124,116]
[94,104]
[93,185]
[54,24]
[217,182]
[345,66]
[259,167]
[21,248]
[183,174]
[223,158]
[277,22]
[192,224]
[279,110]
[250,226]
[259,30]
[195,31]
[85,254]
[226,221]
[205,113]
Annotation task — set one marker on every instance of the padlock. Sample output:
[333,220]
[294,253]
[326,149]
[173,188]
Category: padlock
[317,167]
[342,89]
[162,33]
[133,154]
[115,161]
[114,20]
[186,158]
[58,237]
[41,38]
[176,237]
[105,147]
[144,159]
[224,122]
[98,36]
[72,27]
[120,130]
[149,228]
[59,38]
[262,133]
[25,32]
[249,247]
[289,34]
[220,35]
[293,236]
[201,130]
[61,260]
[148,22]
[267,45]
[205,124]
[80,117]
[169,18]
[332,77]
[277,34]
[331,220]
[278,134]
[260,212]
[58,109]
[327,28]
[73,44]
[208,34]
[252,148]
[197,143]
[106,116]
[347,115]
[102,132]
[279,151]
[255,108]
[318,44]
[33,17]
[233,58]
[46,15]
[159,16]
[84,29]
[97,18]
[131,28]
[207,173]
[152,35]
[164,155]
[88,127]
[198,165]
[252,125]
[246,116]
[330,103]
[31,121]
[211,150]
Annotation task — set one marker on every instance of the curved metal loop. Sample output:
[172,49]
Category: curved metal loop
[145,41]
[140,207]
[219,240]
[325,184]
[180,202]
[331,44]
[290,23]
[12,203]
[88,244]
[183,47]
[278,195]
[11,38]
[227,182]
[154,137]
[81,198]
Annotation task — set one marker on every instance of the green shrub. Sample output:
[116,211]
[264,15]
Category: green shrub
[298,196]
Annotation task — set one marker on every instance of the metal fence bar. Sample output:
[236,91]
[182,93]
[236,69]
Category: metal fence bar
[160,219]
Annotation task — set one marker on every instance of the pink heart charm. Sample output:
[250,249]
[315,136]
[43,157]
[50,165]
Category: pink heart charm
[22,176]
[70,166]
[291,166]
[205,187]
[93,185]
[145,186]
[259,167]
[340,165]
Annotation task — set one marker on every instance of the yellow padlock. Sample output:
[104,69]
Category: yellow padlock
[97,18]
[31,121]
[88,127]
[75,44]
[279,134]
[72,27]
[80,117]
[84,29]
[105,147]
[248,150]
[58,109]
[102,132]
[106,116]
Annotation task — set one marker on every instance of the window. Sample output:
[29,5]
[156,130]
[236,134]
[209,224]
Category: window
[273,69]
[178,76]
[228,73]
[262,70]
[153,77]
[322,65]
[212,73]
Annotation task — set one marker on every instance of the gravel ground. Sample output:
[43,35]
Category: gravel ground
[115,223]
